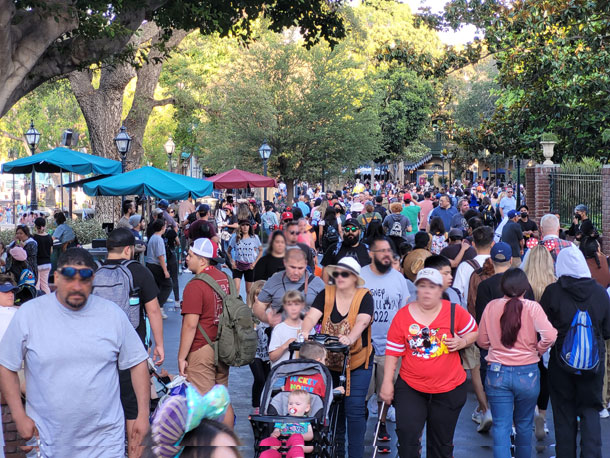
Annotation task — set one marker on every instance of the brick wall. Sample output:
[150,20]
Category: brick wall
[11,437]
[543,190]
[530,188]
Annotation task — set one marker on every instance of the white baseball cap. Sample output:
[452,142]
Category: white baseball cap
[206,249]
[351,265]
[430,274]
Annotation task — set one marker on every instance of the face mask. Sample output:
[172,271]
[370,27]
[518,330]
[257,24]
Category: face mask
[523,215]
[577,216]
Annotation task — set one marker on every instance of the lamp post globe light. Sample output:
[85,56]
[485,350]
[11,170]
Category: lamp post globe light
[170,147]
[32,136]
[123,143]
[265,152]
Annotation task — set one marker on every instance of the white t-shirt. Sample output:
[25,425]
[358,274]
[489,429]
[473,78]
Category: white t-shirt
[390,292]
[6,315]
[72,382]
[280,335]
[462,276]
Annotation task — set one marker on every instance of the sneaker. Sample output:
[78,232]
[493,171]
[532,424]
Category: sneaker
[384,449]
[391,415]
[163,315]
[476,416]
[486,422]
[383,435]
[539,428]
[169,300]
[604,413]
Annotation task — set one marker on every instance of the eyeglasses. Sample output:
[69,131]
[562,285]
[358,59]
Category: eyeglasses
[343,274]
[425,333]
[70,272]
[352,229]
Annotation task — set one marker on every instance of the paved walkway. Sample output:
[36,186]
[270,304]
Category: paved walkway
[468,443]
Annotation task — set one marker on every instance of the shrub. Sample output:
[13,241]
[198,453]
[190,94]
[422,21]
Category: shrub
[87,230]
[549,137]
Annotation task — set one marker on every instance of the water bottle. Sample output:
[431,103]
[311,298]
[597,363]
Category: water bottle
[300,337]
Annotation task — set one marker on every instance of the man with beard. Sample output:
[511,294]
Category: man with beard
[350,246]
[72,343]
[391,291]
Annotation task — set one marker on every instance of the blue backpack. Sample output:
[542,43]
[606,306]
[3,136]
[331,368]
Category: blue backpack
[579,353]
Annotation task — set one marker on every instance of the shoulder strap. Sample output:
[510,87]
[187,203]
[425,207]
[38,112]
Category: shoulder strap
[355,306]
[474,264]
[330,293]
[452,325]
[209,280]
[205,335]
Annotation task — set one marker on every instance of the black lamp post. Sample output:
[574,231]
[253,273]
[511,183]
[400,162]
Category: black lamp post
[12,154]
[123,143]
[450,157]
[32,136]
[170,147]
[265,152]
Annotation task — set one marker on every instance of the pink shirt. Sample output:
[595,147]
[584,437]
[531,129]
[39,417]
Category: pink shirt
[426,207]
[527,348]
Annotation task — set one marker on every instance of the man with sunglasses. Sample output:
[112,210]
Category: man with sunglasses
[72,343]
[349,246]
[291,234]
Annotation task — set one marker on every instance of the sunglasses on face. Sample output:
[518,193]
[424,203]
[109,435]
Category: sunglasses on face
[351,229]
[343,274]
[70,272]
[293,232]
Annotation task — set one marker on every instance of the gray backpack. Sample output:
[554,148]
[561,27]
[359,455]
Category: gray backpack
[114,282]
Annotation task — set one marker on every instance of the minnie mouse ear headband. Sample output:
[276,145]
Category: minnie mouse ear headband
[179,414]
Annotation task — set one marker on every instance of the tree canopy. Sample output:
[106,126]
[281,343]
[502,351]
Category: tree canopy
[553,61]
[42,40]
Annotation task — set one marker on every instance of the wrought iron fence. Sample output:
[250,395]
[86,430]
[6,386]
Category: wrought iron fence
[569,189]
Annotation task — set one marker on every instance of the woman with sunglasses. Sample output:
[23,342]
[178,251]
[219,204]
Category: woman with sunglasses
[346,310]
[245,249]
[430,390]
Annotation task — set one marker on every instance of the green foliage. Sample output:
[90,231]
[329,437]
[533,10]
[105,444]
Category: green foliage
[53,109]
[582,165]
[549,137]
[553,65]
[7,236]
[87,230]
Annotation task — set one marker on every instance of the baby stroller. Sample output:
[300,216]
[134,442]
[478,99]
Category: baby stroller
[324,407]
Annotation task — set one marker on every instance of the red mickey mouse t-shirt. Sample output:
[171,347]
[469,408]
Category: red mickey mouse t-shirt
[427,365]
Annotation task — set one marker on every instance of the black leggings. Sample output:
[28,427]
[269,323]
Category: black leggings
[260,370]
[164,284]
[439,412]
[172,266]
[543,396]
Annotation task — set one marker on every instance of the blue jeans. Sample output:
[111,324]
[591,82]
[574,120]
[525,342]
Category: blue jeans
[353,409]
[512,392]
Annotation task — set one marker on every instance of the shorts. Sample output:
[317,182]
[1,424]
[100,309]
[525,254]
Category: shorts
[128,395]
[247,274]
[471,357]
[203,373]
[377,376]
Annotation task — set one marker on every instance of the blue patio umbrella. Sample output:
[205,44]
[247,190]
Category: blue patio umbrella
[62,159]
[149,181]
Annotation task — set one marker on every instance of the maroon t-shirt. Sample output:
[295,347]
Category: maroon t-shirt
[200,299]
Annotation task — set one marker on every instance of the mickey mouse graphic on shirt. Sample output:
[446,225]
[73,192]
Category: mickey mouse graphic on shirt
[426,343]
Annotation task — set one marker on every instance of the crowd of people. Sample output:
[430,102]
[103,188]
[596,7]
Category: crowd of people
[427,287]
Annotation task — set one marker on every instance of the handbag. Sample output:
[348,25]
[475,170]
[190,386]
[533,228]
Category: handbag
[242,266]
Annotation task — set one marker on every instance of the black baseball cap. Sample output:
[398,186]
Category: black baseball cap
[120,237]
[352,222]
[203,208]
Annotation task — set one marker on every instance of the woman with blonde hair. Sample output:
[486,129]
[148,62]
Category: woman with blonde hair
[540,270]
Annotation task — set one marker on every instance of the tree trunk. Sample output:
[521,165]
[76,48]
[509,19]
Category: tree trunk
[290,191]
[103,107]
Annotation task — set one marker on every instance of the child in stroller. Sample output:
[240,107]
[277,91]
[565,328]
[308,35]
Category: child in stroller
[309,376]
